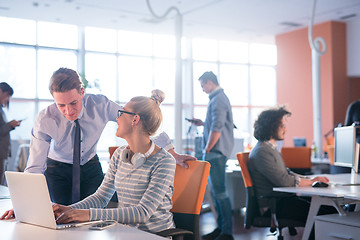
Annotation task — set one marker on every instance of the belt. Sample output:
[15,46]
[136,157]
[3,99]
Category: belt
[95,158]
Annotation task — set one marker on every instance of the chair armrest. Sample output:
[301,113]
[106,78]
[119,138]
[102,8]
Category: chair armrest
[174,233]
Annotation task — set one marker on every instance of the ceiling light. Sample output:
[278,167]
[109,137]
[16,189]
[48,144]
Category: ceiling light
[348,16]
[291,24]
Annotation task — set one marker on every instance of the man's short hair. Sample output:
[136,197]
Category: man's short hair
[209,76]
[268,123]
[65,79]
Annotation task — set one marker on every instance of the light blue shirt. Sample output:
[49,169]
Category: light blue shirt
[219,118]
[53,134]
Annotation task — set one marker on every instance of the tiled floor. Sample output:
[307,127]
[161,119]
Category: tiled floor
[208,223]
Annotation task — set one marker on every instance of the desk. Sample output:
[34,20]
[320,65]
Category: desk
[334,196]
[4,192]
[13,230]
[353,196]
[334,226]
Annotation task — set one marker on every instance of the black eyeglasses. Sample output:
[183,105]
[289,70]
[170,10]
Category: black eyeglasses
[120,112]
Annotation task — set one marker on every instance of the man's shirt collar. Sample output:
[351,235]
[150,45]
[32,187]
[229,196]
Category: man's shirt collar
[272,145]
[215,91]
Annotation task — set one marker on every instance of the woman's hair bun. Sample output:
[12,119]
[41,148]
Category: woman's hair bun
[158,96]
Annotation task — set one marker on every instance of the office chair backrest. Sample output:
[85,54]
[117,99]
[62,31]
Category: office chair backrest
[189,190]
[189,187]
[297,157]
[331,150]
[112,150]
[243,159]
[252,209]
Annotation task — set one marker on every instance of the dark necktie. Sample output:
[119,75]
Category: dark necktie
[76,165]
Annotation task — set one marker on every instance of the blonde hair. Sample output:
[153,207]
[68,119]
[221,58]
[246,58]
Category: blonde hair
[148,108]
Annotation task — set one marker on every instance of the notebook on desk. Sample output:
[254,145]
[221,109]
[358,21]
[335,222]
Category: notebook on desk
[31,200]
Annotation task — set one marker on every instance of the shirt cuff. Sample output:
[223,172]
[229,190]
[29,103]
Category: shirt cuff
[163,141]
[168,147]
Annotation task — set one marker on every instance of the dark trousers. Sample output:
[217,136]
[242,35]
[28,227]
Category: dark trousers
[297,208]
[2,170]
[59,179]
[219,195]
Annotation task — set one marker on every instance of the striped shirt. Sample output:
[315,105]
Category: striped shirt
[144,193]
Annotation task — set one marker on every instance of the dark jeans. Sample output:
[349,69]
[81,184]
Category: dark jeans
[293,207]
[59,179]
[218,190]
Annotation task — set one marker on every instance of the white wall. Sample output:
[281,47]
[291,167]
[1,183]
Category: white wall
[353,48]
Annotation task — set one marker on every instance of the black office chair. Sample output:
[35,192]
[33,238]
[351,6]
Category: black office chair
[253,217]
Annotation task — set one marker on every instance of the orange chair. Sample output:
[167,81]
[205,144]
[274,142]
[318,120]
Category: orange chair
[298,159]
[330,148]
[253,217]
[189,190]
[112,150]
[330,140]
[331,152]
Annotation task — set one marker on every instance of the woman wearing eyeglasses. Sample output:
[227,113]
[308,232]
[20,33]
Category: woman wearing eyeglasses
[141,173]
[5,127]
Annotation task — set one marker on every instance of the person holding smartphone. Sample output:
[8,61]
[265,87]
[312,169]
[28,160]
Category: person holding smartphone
[141,173]
[217,142]
[5,128]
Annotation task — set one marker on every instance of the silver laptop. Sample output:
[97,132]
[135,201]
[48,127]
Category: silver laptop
[31,200]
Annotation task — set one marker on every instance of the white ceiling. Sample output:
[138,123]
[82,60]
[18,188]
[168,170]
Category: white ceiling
[245,20]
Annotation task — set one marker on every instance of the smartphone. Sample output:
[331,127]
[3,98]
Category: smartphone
[190,120]
[102,225]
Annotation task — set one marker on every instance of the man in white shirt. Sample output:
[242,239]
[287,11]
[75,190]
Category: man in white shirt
[52,137]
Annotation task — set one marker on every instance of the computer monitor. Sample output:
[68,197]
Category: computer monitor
[347,149]
[299,141]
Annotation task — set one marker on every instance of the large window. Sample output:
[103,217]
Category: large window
[48,61]
[19,31]
[57,35]
[101,74]
[247,74]
[122,64]
[132,64]
[18,68]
